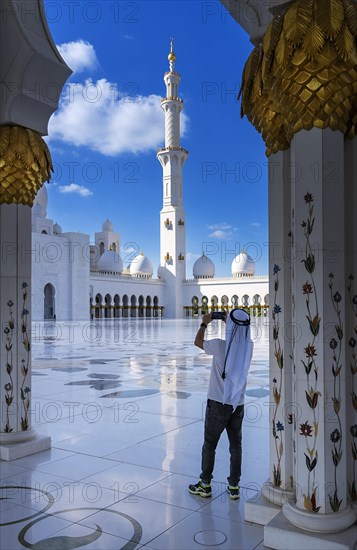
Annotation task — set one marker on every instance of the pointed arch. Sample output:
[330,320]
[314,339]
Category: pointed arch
[49,310]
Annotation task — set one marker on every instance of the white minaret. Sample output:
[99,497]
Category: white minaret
[172,216]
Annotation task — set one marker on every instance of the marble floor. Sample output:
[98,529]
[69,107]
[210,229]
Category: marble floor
[123,401]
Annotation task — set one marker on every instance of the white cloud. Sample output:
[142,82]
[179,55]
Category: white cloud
[98,116]
[128,36]
[221,230]
[219,234]
[79,55]
[75,188]
[255,224]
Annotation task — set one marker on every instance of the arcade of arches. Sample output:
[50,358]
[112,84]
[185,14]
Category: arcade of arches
[108,307]
[256,305]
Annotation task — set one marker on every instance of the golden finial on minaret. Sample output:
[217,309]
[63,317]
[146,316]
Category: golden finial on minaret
[172,57]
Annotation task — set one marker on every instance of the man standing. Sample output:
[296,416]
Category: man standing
[225,397]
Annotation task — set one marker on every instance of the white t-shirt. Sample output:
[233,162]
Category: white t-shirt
[217,348]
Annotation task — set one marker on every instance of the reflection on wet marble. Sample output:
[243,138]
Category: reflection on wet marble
[257,392]
[121,460]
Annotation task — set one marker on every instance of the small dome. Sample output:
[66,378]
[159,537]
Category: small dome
[57,229]
[38,211]
[110,262]
[141,266]
[41,198]
[107,225]
[203,268]
[243,265]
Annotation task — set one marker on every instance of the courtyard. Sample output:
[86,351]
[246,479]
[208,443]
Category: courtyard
[123,401]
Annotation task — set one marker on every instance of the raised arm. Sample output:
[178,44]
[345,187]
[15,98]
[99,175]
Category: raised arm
[206,319]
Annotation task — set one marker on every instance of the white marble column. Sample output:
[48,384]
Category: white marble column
[324,241]
[17,438]
[319,349]
[351,315]
[282,411]
[101,308]
[111,309]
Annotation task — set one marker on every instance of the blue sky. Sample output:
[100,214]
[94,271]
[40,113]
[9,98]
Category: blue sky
[109,125]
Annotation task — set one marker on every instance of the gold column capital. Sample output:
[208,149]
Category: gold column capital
[25,164]
[304,73]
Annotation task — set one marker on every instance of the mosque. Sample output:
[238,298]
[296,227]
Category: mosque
[299,90]
[76,280]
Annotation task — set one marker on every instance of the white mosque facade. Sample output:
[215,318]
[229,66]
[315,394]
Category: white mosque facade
[76,280]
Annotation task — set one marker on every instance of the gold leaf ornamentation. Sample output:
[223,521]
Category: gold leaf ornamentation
[351,16]
[330,16]
[345,42]
[304,73]
[25,164]
[314,40]
[297,21]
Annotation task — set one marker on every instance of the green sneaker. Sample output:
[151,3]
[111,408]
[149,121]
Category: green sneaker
[233,491]
[201,489]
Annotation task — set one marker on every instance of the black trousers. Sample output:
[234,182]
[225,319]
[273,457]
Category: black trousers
[218,418]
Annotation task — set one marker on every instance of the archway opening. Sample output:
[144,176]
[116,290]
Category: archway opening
[108,307]
[133,306]
[141,306]
[116,306]
[148,306]
[156,307]
[98,306]
[49,302]
[125,306]
[194,306]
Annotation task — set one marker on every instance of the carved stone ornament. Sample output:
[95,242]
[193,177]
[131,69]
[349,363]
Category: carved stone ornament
[25,164]
[304,73]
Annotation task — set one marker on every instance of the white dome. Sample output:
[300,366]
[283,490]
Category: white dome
[243,265]
[107,225]
[161,272]
[203,268]
[141,266]
[57,229]
[38,211]
[42,199]
[110,262]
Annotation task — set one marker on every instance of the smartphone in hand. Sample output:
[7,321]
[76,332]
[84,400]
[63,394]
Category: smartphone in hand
[218,315]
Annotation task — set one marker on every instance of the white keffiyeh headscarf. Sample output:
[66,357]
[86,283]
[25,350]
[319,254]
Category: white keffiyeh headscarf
[239,350]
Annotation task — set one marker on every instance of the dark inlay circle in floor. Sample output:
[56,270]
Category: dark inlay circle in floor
[210,538]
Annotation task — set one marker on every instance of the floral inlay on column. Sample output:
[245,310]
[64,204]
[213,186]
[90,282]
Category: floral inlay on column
[309,429]
[353,368]
[25,363]
[277,426]
[9,386]
[24,389]
[336,434]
